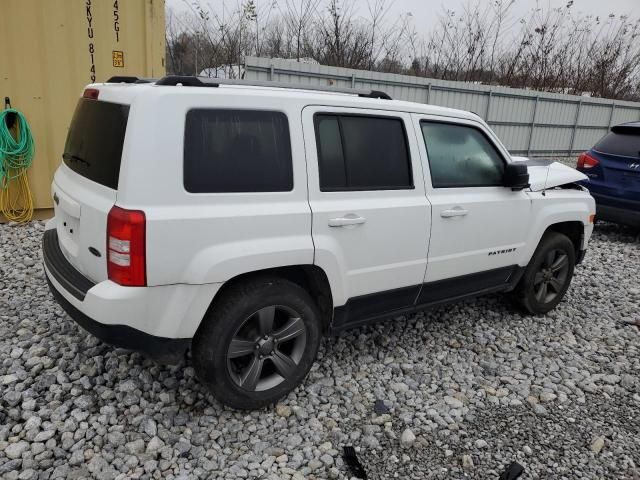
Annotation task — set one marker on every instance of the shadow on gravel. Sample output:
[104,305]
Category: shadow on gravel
[619,233]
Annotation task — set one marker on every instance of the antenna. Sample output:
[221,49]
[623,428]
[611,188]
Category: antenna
[546,178]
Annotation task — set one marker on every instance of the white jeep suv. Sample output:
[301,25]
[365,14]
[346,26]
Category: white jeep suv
[245,221]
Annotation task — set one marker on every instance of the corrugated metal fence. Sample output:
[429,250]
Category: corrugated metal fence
[528,122]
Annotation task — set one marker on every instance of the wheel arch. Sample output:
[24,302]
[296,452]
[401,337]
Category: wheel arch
[574,230]
[310,277]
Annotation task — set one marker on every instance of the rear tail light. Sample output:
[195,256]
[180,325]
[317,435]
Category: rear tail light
[126,255]
[91,93]
[586,161]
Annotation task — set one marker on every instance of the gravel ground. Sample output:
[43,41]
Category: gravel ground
[470,388]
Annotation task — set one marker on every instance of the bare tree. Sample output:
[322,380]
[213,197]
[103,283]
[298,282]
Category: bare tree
[551,49]
[298,18]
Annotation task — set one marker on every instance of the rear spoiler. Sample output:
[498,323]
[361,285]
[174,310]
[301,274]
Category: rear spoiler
[627,128]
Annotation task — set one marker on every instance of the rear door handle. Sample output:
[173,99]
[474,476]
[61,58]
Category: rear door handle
[454,212]
[349,219]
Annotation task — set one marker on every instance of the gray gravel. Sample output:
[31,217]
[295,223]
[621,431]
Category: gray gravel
[470,388]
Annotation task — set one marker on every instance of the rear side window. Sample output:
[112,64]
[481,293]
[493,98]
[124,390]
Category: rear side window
[625,144]
[358,152]
[237,151]
[94,143]
[461,156]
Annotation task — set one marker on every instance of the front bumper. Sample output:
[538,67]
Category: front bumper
[70,289]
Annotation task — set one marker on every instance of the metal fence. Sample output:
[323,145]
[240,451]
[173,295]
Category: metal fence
[528,122]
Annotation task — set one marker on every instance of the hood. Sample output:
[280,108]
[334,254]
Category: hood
[544,174]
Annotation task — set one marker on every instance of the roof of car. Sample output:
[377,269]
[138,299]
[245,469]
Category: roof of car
[372,99]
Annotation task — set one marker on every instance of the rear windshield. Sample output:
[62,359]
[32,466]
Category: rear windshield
[624,144]
[94,142]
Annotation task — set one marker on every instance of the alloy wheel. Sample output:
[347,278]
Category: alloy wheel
[551,278]
[267,348]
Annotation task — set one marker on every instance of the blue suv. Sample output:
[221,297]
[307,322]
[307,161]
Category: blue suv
[613,168]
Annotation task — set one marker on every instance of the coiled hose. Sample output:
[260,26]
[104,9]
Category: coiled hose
[17,149]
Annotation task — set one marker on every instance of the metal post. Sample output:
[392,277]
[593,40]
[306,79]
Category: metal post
[575,126]
[429,93]
[486,115]
[613,108]
[353,81]
[271,72]
[533,125]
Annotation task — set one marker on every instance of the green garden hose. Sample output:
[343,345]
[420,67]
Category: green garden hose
[17,149]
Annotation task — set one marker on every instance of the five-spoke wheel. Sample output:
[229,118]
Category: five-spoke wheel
[552,276]
[258,341]
[548,275]
[267,348]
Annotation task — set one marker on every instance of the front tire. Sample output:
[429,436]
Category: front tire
[258,342]
[548,275]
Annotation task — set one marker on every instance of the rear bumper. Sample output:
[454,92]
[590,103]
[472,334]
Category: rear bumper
[617,210]
[163,350]
[158,321]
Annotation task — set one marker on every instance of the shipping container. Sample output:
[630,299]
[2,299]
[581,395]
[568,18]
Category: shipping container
[50,49]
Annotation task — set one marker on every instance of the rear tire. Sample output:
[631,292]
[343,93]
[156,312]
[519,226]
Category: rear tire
[548,275]
[258,342]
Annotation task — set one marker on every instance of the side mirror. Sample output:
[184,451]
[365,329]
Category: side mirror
[516,176]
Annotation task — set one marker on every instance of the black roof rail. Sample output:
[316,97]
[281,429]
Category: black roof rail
[376,94]
[192,81]
[185,80]
[127,79]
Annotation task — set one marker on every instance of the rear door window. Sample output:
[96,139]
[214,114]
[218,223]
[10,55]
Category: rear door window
[237,151]
[94,143]
[624,144]
[361,152]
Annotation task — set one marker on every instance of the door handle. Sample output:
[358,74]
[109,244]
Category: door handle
[454,212]
[349,219]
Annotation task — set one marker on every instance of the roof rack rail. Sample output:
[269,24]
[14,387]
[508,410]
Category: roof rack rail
[185,80]
[127,79]
[376,94]
[192,81]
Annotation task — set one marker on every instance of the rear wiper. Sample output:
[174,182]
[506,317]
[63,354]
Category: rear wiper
[69,156]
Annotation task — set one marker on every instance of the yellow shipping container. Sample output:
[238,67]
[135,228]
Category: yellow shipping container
[50,49]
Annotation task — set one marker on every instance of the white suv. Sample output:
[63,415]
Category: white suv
[245,221]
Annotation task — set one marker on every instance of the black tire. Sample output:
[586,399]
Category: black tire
[229,370]
[531,295]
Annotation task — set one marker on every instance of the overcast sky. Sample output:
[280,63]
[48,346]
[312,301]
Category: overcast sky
[425,12]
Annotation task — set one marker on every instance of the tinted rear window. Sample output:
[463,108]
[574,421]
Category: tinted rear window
[358,152]
[237,151]
[94,142]
[624,144]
